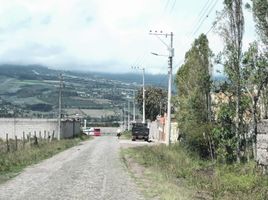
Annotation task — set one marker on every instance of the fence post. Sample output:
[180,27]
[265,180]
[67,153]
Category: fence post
[53,134]
[40,136]
[7,142]
[45,135]
[35,139]
[49,136]
[16,143]
[29,137]
[23,139]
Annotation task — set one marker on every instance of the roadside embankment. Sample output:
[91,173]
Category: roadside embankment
[13,161]
[173,173]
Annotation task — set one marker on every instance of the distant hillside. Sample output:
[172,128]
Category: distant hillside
[37,72]
[29,72]
[159,80]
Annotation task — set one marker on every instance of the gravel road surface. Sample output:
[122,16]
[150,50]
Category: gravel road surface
[91,171]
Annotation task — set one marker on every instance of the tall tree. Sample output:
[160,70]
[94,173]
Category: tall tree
[260,14]
[193,84]
[155,102]
[232,30]
[255,76]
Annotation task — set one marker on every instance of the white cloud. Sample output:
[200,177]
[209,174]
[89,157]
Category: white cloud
[99,35]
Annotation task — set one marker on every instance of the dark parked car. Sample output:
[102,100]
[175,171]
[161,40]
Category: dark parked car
[140,131]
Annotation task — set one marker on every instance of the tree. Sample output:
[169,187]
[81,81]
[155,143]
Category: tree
[255,76]
[232,29]
[260,14]
[193,85]
[155,102]
[223,134]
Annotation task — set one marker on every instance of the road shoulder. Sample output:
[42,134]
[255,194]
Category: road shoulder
[153,183]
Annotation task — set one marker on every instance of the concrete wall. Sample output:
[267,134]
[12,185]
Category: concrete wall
[262,143]
[70,128]
[41,127]
[158,131]
[155,132]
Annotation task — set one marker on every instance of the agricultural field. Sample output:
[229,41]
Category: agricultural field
[33,92]
[94,113]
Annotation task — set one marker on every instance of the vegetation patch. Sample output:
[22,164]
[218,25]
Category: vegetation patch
[13,162]
[172,169]
[126,135]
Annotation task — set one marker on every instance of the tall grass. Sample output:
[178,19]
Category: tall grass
[14,161]
[178,166]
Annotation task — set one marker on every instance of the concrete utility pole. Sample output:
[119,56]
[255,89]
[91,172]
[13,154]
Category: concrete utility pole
[59,114]
[170,63]
[143,97]
[128,116]
[143,92]
[124,121]
[134,107]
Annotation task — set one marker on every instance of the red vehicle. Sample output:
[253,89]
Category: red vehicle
[97,132]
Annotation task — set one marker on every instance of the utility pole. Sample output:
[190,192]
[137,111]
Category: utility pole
[59,114]
[134,107]
[143,92]
[143,97]
[124,124]
[170,63]
[160,110]
[128,116]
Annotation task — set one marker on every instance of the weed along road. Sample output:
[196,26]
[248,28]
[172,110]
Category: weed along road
[92,170]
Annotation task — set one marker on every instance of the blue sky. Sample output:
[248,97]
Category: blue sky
[104,35]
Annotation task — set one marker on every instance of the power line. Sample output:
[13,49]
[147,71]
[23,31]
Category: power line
[215,23]
[209,12]
[203,13]
[139,60]
[204,8]
[173,5]
[167,3]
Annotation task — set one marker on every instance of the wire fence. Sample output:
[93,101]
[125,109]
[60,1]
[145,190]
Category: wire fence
[8,145]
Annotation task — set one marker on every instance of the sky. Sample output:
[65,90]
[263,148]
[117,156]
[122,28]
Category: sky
[105,35]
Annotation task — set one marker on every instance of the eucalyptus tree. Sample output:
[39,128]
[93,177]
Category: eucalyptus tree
[260,14]
[193,86]
[231,29]
[255,77]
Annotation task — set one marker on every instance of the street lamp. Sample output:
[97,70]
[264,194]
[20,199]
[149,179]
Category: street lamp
[143,92]
[170,62]
[156,54]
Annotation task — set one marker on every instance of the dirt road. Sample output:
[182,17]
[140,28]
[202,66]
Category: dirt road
[89,171]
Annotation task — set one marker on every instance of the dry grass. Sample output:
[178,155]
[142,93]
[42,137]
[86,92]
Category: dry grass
[13,162]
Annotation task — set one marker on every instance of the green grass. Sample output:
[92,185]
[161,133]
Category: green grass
[126,135]
[15,161]
[182,171]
